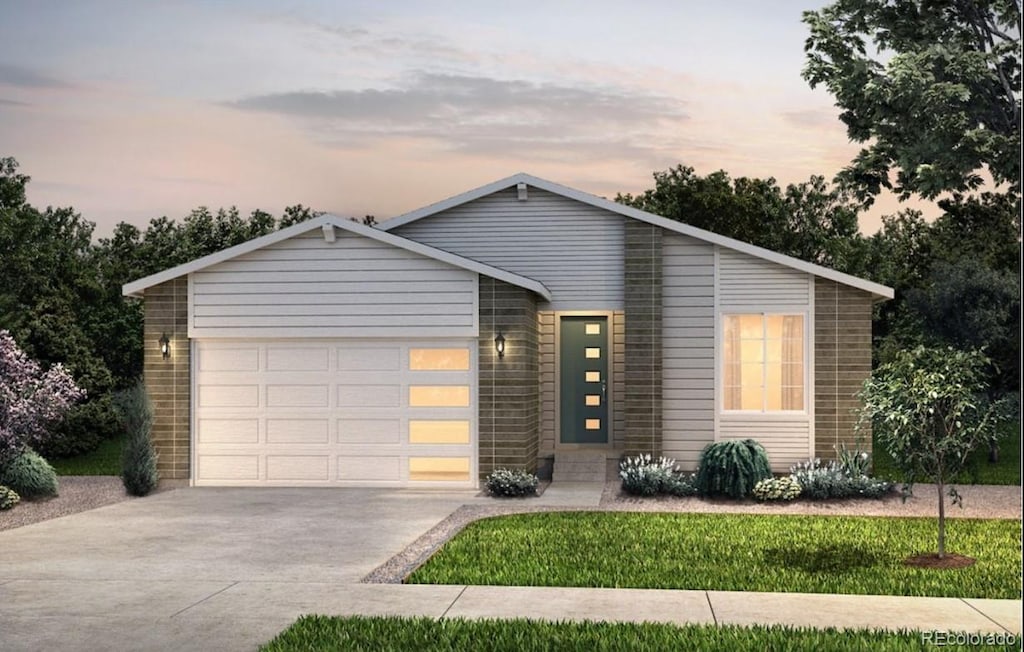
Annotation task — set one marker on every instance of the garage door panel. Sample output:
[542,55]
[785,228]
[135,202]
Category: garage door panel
[369,431]
[230,359]
[370,359]
[293,358]
[371,468]
[298,431]
[228,431]
[298,468]
[230,468]
[294,396]
[214,396]
[335,412]
[370,396]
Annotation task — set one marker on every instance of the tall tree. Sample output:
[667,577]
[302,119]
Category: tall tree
[936,92]
[809,221]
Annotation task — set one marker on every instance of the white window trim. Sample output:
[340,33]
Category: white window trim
[720,362]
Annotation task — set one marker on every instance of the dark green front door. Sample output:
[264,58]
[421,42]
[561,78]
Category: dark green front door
[583,401]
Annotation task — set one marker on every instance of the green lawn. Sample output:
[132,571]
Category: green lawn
[979,471]
[729,552]
[357,633]
[105,460]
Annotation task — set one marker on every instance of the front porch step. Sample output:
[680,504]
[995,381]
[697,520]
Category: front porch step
[580,466]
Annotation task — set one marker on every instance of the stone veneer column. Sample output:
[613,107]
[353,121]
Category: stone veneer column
[509,388]
[842,362]
[643,285]
[168,381]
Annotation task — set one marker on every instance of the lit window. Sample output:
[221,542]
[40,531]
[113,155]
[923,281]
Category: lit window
[439,359]
[763,362]
[439,396]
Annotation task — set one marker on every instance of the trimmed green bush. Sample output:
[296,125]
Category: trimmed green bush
[512,483]
[83,429]
[29,475]
[138,461]
[8,498]
[732,468]
[784,488]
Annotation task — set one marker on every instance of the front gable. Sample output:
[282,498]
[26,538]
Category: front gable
[574,249]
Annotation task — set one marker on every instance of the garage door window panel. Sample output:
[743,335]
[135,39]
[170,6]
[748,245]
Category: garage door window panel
[439,395]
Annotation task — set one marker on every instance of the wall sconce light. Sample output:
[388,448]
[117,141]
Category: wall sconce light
[165,346]
[499,345]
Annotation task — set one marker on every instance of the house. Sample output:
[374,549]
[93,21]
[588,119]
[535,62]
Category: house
[501,327]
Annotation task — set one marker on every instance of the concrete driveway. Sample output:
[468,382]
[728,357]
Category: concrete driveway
[209,569]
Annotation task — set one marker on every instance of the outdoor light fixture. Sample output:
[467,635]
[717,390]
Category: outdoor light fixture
[499,345]
[165,346]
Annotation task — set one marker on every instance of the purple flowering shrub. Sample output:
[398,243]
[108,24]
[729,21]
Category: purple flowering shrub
[31,400]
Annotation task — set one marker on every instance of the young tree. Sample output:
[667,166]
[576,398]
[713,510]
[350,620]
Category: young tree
[31,400]
[927,407]
[932,85]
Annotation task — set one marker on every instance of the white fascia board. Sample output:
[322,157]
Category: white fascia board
[135,288]
[877,289]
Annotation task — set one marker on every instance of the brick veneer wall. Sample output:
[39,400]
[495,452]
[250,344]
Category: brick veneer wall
[842,361]
[509,388]
[168,381]
[643,285]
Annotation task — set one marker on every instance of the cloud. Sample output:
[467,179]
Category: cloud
[483,115]
[816,118]
[21,77]
[4,102]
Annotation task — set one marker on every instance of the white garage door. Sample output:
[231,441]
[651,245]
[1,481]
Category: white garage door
[334,413]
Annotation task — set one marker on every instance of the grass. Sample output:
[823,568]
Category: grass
[729,552]
[105,460]
[978,471]
[357,633]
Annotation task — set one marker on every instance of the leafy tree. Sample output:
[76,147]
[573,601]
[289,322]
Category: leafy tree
[927,409]
[809,221]
[936,92]
[31,400]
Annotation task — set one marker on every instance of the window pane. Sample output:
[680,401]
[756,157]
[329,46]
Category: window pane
[593,352]
[450,469]
[592,329]
[439,359]
[439,432]
[592,424]
[439,396]
[762,362]
[593,400]
[593,376]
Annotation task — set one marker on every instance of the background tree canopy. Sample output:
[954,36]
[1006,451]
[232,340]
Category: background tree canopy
[932,85]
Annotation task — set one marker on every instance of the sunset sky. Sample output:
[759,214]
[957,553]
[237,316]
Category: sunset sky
[132,110]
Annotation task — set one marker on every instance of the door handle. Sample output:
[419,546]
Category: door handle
[604,390]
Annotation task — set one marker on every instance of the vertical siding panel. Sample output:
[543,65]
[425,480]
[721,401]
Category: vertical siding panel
[574,249]
[688,345]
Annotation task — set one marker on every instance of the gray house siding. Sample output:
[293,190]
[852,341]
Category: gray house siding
[574,249]
[354,286]
[688,345]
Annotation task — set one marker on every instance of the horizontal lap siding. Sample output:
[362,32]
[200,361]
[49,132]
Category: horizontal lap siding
[574,249]
[688,347]
[744,280]
[305,286]
[749,284]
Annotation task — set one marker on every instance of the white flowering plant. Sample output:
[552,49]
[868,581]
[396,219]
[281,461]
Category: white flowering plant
[772,489]
[645,475]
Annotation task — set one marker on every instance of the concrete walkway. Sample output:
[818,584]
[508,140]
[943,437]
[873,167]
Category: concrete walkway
[202,569]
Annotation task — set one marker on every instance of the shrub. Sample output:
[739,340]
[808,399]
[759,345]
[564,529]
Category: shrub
[8,498]
[645,476]
[29,475]
[512,483]
[138,458]
[681,485]
[784,488]
[732,468]
[31,401]
[833,480]
[82,430]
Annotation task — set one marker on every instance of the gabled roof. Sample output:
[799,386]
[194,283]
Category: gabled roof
[135,288]
[877,289]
